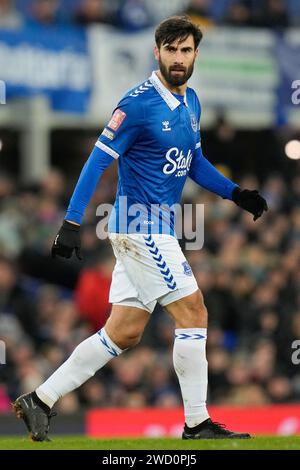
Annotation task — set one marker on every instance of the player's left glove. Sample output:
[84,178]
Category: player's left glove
[66,241]
[251,201]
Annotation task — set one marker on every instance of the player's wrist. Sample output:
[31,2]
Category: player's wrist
[70,225]
[236,195]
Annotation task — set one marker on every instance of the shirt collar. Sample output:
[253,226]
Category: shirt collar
[166,95]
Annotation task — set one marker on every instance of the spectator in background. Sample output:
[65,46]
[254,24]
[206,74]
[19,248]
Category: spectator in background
[91,11]
[69,404]
[10,218]
[133,15]
[53,185]
[280,389]
[219,363]
[93,393]
[44,13]
[224,149]
[7,185]
[274,15]
[246,395]
[239,14]
[13,299]
[10,18]
[198,11]
[92,292]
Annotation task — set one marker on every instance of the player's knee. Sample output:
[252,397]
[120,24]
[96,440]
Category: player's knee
[125,338]
[126,341]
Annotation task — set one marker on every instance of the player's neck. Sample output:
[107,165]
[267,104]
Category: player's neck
[178,90]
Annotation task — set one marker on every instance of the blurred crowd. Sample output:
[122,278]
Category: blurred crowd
[249,274]
[133,15]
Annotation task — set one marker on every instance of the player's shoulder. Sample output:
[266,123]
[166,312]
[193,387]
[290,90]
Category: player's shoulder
[141,91]
[136,96]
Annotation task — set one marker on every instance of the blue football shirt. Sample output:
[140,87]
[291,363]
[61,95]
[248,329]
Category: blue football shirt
[155,136]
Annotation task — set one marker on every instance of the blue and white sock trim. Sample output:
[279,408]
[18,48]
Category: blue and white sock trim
[191,333]
[160,263]
[111,347]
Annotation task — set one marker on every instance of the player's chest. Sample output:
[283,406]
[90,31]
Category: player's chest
[168,129]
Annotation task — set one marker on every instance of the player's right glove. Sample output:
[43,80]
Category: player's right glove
[251,201]
[66,241]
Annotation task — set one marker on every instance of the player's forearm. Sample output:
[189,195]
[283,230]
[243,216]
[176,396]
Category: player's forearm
[97,162]
[207,176]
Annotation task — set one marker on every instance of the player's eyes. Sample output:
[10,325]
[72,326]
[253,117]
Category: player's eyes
[185,51]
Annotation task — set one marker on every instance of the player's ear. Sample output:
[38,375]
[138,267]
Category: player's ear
[156,53]
[196,52]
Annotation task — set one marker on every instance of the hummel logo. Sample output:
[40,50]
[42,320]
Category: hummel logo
[166,126]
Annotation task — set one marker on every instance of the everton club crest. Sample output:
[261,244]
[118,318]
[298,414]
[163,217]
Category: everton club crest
[187,269]
[194,122]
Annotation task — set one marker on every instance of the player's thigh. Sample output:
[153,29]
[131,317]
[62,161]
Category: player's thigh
[189,311]
[126,323]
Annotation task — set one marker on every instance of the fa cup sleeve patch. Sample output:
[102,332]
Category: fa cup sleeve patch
[116,120]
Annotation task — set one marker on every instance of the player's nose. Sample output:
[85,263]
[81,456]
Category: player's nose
[178,63]
[178,58]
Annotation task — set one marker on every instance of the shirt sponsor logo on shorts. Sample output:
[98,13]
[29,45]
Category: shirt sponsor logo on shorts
[187,269]
[109,134]
[116,120]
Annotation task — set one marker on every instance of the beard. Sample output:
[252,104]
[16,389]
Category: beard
[173,79]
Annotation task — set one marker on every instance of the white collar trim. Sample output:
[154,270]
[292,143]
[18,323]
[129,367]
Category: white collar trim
[166,95]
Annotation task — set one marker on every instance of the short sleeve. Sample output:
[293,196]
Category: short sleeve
[123,128]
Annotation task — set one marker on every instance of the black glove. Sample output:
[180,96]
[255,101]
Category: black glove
[249,200]
[67,240]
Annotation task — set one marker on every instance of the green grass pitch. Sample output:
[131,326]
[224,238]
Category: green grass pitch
[85,443]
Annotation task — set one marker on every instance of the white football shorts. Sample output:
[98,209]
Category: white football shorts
[149,269]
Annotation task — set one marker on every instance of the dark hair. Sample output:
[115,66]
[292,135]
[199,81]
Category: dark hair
[177,27]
